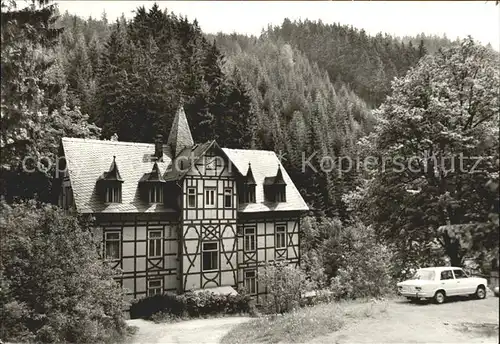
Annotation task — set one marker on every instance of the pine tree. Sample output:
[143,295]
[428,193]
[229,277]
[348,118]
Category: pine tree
[112,81]
[422,50]
[34,110]
[80,76]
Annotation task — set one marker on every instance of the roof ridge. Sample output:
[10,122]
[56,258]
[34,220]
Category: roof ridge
[129,143]
[123,143]
[250,150]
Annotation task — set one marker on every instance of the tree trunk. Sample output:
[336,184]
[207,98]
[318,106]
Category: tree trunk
[455,259]
[451,243]
[452,250]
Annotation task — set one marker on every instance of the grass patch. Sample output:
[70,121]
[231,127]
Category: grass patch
[304,323]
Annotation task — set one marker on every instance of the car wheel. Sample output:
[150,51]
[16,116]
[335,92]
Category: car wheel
[480,293]
[439,297]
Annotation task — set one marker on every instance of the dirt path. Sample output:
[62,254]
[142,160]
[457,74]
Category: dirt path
[191,331]
[458,321]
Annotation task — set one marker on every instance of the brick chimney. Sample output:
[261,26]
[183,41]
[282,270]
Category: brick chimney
[159,147]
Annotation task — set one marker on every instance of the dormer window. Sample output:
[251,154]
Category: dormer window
[250,194]
[110,184]
[152,186]
[248,187]
[156,193]
[275,188]
[280,194]
[113,194]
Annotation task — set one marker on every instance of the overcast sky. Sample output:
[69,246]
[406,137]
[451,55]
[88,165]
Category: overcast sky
[480,19]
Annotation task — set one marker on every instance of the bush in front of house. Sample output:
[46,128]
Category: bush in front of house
[317,297]
[285,285]
[54,287]
[167,303]
[191,305]
[348,257]
[364,268]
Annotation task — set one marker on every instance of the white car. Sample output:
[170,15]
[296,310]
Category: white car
[440,282]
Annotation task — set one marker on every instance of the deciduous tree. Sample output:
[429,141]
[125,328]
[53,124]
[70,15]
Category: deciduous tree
[54,286]
[438,145]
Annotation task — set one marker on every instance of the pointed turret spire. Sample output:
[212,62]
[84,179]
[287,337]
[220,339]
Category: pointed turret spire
[250,180]
[180,135]
[154,176]
[279,177]
[155,172]
[113,173]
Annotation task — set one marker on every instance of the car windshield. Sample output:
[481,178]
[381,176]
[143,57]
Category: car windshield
[460,273]
[426,275]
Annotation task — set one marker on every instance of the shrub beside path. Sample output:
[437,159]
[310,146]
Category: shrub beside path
[191,331]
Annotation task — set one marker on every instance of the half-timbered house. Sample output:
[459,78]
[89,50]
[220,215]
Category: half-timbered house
[181,216]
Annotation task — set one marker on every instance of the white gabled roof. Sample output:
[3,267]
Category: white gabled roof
[88,159]
[265,164]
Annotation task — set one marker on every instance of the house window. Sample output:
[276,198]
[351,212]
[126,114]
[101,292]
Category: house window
[112,243]
[155,244]
[280,195]
[250,194]
[155,287]
[281,236]
[228,198]
[211,163]
[210,197]
[156,194]
[210,257]
[113,194]
[249,236]
[250,281]
[191,201]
